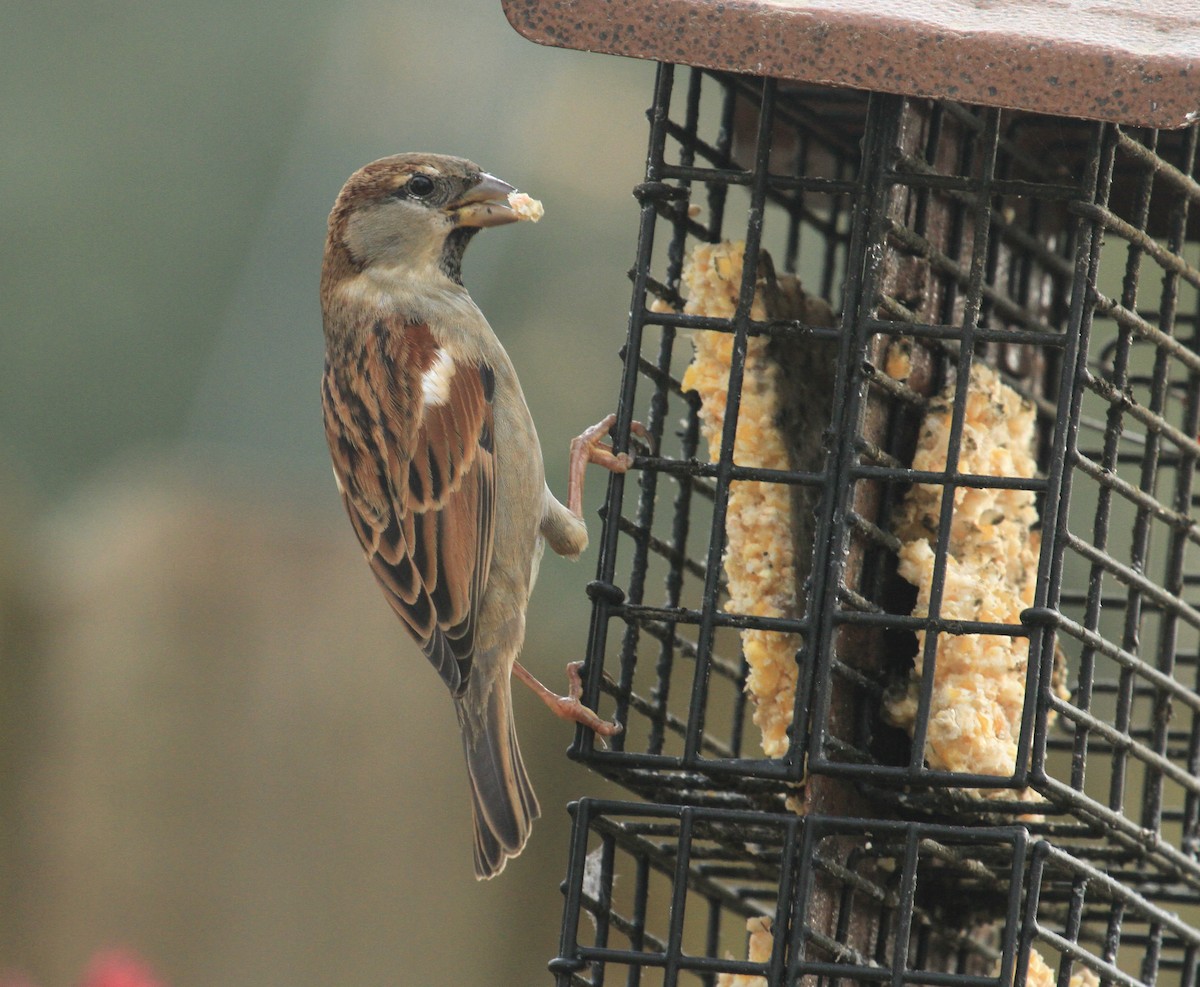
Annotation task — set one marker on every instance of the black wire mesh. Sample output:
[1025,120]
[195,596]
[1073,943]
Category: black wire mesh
[667,895]
[989,271]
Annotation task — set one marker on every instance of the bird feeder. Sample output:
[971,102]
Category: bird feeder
[900,605]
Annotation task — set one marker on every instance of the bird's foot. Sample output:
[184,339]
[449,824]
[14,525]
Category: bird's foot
[588,447]
[568,707]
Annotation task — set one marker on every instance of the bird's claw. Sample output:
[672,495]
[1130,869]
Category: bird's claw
[602,728]
[589,447]
[569,707]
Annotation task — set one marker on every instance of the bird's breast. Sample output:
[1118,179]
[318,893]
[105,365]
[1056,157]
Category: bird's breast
[430,297]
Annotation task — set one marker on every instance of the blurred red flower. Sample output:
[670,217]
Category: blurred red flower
[109,968]
[119,968]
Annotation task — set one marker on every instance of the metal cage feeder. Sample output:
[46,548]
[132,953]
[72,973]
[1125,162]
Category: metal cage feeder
[988,398]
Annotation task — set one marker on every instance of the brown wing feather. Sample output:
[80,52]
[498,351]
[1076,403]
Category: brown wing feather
[418,481]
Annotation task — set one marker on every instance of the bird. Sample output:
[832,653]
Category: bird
[438,463]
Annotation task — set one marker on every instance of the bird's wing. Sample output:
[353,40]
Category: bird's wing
[410,430]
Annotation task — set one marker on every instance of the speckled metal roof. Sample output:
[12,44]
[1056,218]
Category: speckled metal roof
[1128,61]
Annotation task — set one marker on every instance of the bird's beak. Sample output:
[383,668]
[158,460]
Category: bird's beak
[485,204]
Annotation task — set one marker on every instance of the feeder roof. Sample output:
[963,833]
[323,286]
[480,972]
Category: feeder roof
[1125,61]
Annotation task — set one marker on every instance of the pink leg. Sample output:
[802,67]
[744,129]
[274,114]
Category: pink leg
[588,448]
[568,707]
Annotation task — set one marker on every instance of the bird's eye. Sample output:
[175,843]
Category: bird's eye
[419,186]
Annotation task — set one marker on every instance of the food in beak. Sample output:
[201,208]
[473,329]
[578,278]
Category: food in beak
[525,207]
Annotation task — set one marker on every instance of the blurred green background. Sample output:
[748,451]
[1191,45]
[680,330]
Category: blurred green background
[217,746]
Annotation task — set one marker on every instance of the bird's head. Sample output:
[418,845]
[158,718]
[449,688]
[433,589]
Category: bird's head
[415,213]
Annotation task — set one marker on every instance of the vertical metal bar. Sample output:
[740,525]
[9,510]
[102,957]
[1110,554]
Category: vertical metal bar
[656,424]
[1190,841]
[568,944]
[607,557]
[904,910]
[1185,470]
[920,954]
[833,257]
[1140,541]
[725,139]
[796,203]
[1016,888]
[1064,453]
[956,240]
[1190,967]
[932,141]
[1075,910]
[641,899]
[1112,932]
[679,535]
[971,312]
[1024,932]
[718,191]
[811,720]
[1065,447]
[679,889]
[802,899]
[1151,958]
[1086,268]
[699,698]
[793,866]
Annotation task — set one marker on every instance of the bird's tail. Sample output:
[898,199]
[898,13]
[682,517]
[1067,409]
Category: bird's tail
[502,801]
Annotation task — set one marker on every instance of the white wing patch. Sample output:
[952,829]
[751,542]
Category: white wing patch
[435,382]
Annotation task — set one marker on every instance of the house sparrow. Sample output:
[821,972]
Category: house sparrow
[437,460]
